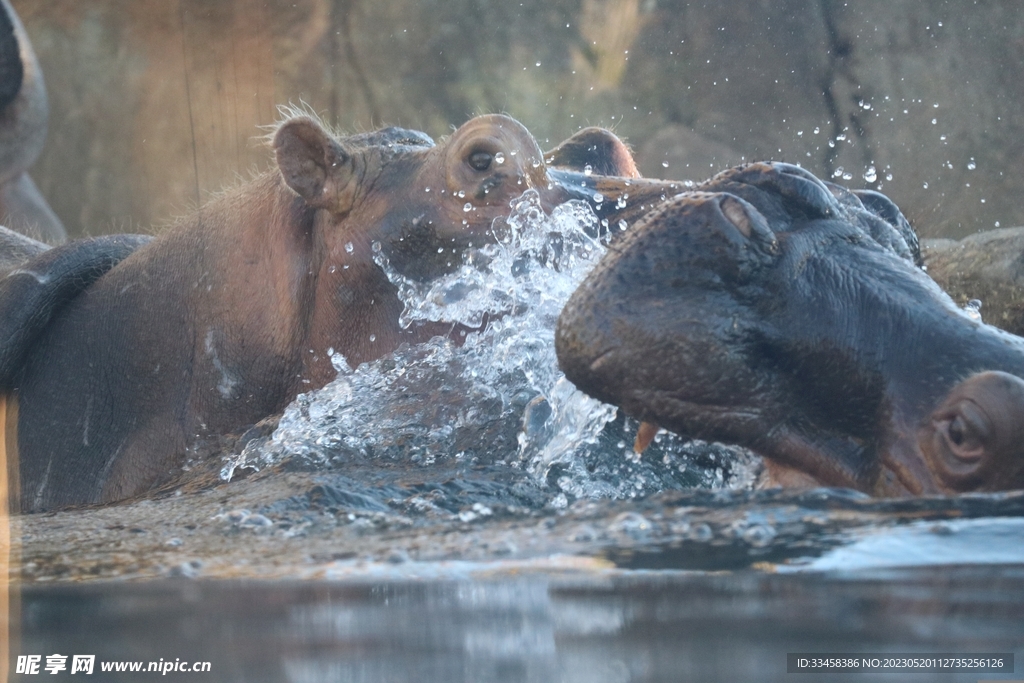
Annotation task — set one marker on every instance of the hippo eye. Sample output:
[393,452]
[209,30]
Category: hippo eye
[966,432]
[956,431]
[480,161]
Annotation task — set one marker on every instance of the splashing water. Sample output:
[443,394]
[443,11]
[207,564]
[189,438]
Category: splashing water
[499,399]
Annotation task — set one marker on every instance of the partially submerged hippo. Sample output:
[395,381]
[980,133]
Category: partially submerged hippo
[775,312]
[124,353]
[23,116]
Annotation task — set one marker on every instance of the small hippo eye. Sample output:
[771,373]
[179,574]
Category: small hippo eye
[956,430]
[480,161]
[967,431]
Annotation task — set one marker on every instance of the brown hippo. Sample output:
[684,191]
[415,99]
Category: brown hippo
[23,115]
[153,346]
[776,312]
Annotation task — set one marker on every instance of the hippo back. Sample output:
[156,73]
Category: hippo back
[33,291]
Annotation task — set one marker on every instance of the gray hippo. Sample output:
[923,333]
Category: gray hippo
[789,316]
[118,355]
[23,116]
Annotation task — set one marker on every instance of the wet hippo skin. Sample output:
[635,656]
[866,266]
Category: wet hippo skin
[121,355]
[789,316]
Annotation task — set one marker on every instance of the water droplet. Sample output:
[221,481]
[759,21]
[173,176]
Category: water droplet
[817,130]
[799,133]
[623,225]
[841,137]
[460,194]
[632,524]
[831,143]
[924,185]
[973,309]
[621,202]
[934,121]
[467,206]
[426,189]
[349,247]
[871,175]
[759,535]
[332,269]
[375,247]
[499,158]
[971,165]
[588,170]
[838,172]
[664,164]
[373,337]
[888,176]
[598,197]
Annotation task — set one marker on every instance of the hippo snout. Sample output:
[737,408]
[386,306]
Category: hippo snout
[659,316]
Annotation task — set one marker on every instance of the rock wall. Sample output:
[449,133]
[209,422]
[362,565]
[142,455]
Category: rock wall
[156,103]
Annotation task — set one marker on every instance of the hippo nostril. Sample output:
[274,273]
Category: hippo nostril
[737,214]
[744,217]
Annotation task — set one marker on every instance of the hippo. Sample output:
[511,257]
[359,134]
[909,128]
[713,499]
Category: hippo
[771,310]
[23,117]
[122,355]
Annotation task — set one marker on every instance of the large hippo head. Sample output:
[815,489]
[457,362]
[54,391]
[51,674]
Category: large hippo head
[425,203]
[775,311]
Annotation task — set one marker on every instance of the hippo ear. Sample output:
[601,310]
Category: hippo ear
[597,148]
[312,163]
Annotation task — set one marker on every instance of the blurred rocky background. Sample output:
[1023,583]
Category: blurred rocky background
[157,103]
